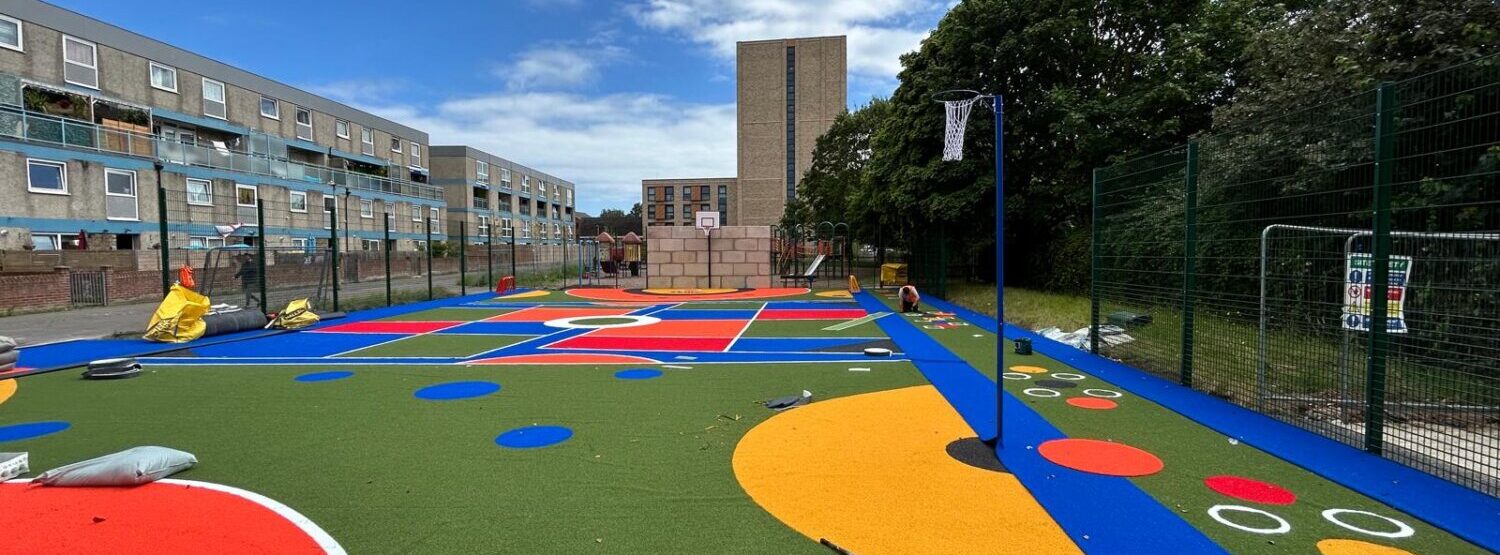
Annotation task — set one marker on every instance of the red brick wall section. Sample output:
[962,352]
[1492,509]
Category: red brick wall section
[34,291]
[130,286]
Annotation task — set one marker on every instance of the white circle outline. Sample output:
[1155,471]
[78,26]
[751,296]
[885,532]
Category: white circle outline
[1403,530]
[1103,393]
[1015,376]
[1070,376]
[568,323]
[1037,392]
[1282,528]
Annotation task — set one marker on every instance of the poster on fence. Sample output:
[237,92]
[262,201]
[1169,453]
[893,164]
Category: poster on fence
[1358,287]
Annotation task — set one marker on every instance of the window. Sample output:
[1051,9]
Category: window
[80,62]
[204,242]
[505,177]
[341,128]
[46,176]
[484,224]
[435,216]
[10,33]
[245,195]
[703,207]
[416,213]
[200,192]
[670,212]
[668,191]
[723,190]
[330,203]
[369,244]
[541,189]
[214,105]
[526,184]
[299,242]
[481,171]
[570,197]
[304,124]
[119,195]
[651,194]
[687,211]
[703,192]
[505,229]
[395,144]
[299,202]
[367,142]
[366,208]
[416,155]
[687,192]
[270,108]
[163,77]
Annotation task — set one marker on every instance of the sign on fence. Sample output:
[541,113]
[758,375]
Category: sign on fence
[1358,287]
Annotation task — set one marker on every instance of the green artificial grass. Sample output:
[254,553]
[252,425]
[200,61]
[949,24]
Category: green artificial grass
[439,345]
[1191,453]
[810,328]
[647,471]
[448,315]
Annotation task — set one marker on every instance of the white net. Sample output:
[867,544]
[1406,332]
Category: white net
[953,133]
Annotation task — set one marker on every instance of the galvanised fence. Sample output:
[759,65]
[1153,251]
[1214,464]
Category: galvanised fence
[1337,268]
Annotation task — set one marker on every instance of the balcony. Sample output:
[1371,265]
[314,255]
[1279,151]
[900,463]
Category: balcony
[21,124]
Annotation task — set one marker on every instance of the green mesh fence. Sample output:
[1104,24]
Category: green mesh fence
[1255,264]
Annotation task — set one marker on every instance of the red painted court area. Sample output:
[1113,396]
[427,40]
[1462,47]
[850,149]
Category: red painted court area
[641,296]
[666,335]
[811,314]
[388,327]
[159,517]
[546,313]
[566,358]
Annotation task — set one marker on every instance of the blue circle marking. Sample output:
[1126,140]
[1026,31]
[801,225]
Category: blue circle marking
[638,374]
[30,430]
[456,390]
[324,376]
[532,437]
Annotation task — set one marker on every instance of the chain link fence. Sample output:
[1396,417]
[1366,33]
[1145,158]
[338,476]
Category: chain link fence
[1337,268]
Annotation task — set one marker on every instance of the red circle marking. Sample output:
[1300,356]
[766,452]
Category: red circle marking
[1094,403]
[158,517]
[1100,457]
[1246,489]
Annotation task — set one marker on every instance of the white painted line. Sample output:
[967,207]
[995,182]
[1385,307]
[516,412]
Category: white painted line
[857,321]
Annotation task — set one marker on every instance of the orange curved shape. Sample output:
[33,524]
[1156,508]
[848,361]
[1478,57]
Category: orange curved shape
[871,473]
[566,358]
[159,517]
[623,295]
[1357,547]
[7,389]
[1100,457]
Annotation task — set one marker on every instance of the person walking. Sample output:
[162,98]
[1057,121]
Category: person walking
[249,274]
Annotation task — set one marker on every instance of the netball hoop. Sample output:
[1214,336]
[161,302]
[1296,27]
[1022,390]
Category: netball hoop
[957,104]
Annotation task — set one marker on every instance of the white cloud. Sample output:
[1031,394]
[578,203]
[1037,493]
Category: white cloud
[603,144]
[560,66]
[879,31]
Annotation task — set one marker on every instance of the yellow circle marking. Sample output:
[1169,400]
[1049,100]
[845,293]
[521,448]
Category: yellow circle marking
[1029,369]
[688,291]
[870,473]
[7,388]
[1356,547]
[836,294]
[526,295]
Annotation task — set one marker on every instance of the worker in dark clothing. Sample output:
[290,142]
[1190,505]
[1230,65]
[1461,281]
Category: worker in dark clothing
[910,300]
[249,275]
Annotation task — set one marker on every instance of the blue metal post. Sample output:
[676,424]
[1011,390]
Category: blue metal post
[999,106]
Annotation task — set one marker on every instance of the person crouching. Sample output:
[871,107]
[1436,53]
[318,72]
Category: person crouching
[910,300]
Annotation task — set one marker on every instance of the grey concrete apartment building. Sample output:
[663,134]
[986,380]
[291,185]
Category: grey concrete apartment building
[485,191]
[674,201]
[788,91]
[92,116]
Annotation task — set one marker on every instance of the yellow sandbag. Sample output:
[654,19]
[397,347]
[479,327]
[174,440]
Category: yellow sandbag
[179,318]
[296,315]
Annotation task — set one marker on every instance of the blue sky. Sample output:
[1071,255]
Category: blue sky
[600,93]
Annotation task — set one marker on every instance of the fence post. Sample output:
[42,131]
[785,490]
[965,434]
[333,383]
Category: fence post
[489,253]
[429,257]
[516,279]
[386,246]
[260,247]
[463,257]
[1385,151]
[333,241]
[166,243]
[1189,261]
[1094,270]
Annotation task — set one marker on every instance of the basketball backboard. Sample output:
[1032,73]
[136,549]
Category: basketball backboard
[707,221]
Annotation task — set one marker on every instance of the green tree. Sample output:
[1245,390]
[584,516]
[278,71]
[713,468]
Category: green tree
[833,188]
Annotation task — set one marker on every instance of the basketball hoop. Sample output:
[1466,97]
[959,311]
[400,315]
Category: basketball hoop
[706,221]
[957,104]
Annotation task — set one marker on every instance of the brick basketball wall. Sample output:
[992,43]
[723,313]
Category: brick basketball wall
[679,257]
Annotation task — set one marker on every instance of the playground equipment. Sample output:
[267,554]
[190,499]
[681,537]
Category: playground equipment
[632,245]
[811,252]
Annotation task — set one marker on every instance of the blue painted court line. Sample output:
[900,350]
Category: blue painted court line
[1441,503]
[774,344]
[500,328]
[705,314]
[810,305]
[970,392]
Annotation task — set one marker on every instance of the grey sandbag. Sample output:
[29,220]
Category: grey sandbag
[9,357]
[134,466]
[7,344]
[789,401]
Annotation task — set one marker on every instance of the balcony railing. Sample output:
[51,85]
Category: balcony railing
[481,203]
[26,125]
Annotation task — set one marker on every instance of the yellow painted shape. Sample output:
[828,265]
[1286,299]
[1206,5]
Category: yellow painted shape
[1029,369]
[870,473]
[836,294]
[1356,547]
[7,388]
[689,291]
[526,295]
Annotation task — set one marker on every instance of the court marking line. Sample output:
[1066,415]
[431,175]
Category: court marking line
[337,355]
[841,326]
[737,336]
[651,312]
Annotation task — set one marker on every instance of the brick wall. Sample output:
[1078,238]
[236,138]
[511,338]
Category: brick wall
[34,291]
[680,257]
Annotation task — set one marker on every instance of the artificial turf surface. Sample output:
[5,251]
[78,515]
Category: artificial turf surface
[1192,453]
[439,345]
[646,471]
[448,315]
